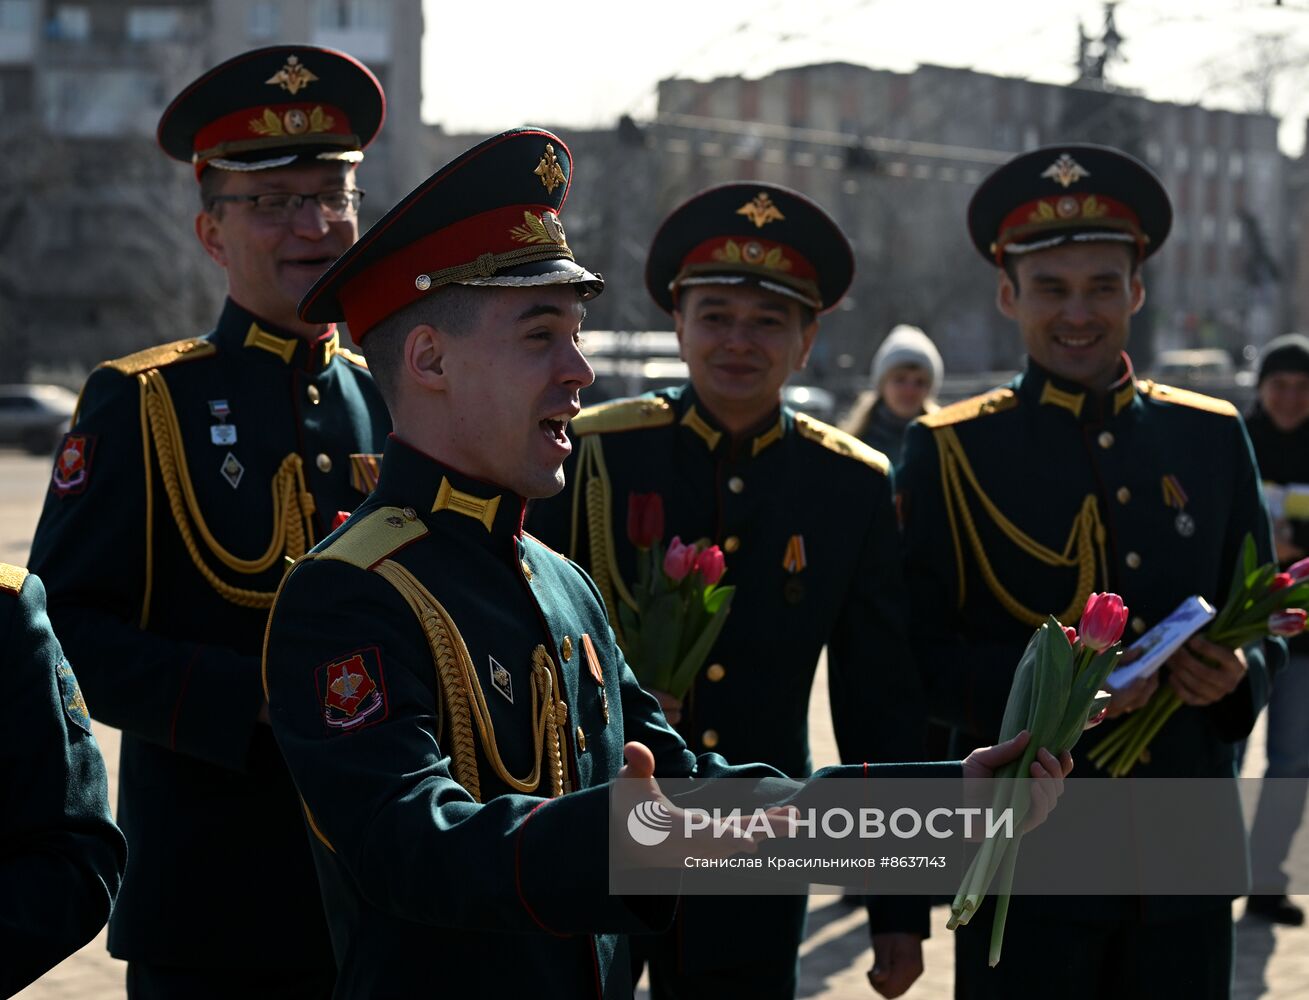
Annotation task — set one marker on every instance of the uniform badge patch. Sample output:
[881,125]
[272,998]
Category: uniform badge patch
[232,470]
[70,693]
[72,469]
[352,691]
[501,680]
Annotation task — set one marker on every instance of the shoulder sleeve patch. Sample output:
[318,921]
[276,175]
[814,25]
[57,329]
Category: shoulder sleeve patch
[995,401]
[353,358]
[1185,397]
[624,415]
[162,355]
[375,537]
[11,578]
[841,442]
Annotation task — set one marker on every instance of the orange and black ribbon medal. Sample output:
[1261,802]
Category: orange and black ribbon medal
[794,561]
[1175,497]
[593,665]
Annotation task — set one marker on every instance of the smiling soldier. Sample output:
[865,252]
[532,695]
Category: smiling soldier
[1079,476]
[192,472]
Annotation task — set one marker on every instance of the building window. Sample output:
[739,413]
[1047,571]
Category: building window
[1207,228]
[337,14]
[1234,232]
[1209,162]
[1154,153]
[153,24]
[1181,159]
[17,15]
[1235,166]
[70,23]
[264,20]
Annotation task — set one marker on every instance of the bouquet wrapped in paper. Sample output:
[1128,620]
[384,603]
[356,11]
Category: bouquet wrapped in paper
[1260,602]
[680,606]
[1056,695]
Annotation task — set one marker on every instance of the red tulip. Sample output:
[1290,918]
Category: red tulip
[1280,582]
[678,560]
[1102,621]
[1072,635]
[1299,570]
[710,564]
[1287,623]
[645,519]
[341,517]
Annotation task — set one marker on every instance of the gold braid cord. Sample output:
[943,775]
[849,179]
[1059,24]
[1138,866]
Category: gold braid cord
[1086,539]
[462,697]
[593,479]
[293,505]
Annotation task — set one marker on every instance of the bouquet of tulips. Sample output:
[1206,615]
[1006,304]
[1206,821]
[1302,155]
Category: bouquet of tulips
[1260,602]
[680,608]
[1055,695]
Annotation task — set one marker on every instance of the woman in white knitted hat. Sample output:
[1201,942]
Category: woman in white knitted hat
[906,375]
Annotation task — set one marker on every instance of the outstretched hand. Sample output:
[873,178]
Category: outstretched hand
[1048,771]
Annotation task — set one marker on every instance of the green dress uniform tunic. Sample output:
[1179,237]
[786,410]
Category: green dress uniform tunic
[192,472]
[804,514]
[437,678]
[1018,503]
[61,857]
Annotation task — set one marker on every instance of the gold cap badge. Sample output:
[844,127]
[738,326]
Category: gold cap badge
[293,77]
[551,174]
[761,210]
[1065,171]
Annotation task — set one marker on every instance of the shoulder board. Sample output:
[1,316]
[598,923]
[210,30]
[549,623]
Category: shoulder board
[841,442]
[11,578]
[353,358]
[623,415]
[1185,397]
[162,355]
[995,401]
[384,531]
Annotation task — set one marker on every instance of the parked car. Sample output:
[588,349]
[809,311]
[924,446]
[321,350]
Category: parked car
[35,417]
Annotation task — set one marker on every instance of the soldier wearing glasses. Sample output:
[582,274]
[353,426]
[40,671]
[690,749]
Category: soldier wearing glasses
[193,472]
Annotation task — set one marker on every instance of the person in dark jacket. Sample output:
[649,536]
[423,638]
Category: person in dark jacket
[61,856]
[1279,431]
[192,472]
[906,376]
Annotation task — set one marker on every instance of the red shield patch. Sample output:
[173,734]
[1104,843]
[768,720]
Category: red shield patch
[73,464]
[352,691]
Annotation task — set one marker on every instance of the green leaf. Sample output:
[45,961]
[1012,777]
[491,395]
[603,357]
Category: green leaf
[718,597]
[1249,555]
[684,673]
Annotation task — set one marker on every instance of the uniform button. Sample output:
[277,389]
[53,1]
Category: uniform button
[1106,439]
[709,738]
[566,648]
[716,672]
[324,462]
[736,484]
[1133,560]
[1124,494]
[731,544]
[1138,624]
[313,394]
[581,740]
[527,572]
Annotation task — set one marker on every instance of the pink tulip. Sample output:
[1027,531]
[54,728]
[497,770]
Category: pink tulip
[645,519]
[710,564]
[1299,570]
[1072,635]
[1280,582]
[1102,621]
[678,560]
[1287,623]
[341,517]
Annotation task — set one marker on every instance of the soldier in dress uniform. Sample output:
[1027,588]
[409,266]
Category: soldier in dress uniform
[1077,476]
[61,857]
[805,516]
[193,472]
[446,689]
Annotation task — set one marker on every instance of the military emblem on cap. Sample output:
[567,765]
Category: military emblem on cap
[751,233]
[267,108]
[489,217]
[1074,193]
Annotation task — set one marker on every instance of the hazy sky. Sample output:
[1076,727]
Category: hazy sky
[498,63]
